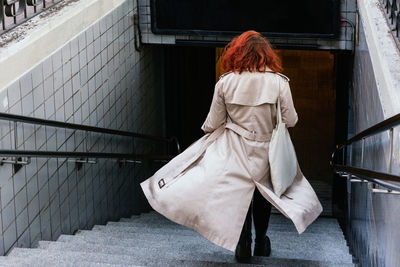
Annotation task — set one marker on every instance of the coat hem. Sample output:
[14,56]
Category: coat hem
[213,238]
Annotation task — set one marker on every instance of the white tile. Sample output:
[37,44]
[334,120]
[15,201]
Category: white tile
[82,58]
[74,43]
[49,107]
[26,83]
[90,52]
[96,30]
[21,201]
[103,25]
[2,245]
[34,227]
[50,86]
[67,90]
[83,76]
[19,180]
[66,53]
[44,197]
[97,63]
[103,42]
[8,214]
[82,41]
[75,65]
[53,185]
[13,93]
[37,75]
[10,236]
[89,35]
[57,60]
[24,241]
[60,115]
[7,192]
[3,100]
[66,69]
[58,79]
[22,222]
[68,108]
[91,69]
[27,105]
[42,176]
[38,96]
[45,224]
[77,101]
[59,98]
[76,83]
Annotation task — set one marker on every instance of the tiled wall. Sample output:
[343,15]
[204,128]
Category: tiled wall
[373,223]
[344,42]
[98,79]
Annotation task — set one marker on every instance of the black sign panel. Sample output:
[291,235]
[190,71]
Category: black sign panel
[279,18]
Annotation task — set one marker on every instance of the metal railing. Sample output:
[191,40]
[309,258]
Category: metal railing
[392,12]
[79,157]
[357,174]
[15,12]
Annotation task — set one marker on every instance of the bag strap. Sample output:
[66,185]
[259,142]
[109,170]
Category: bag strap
[278,112]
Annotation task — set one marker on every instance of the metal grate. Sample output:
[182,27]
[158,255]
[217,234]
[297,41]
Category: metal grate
[391,9]
[16,12]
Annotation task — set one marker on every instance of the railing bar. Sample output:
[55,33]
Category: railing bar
[391,149]
[26,18]
[378,128]
[62,154]
[19,118]
[368,174]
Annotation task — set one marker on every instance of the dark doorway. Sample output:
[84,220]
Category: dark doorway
[189,86]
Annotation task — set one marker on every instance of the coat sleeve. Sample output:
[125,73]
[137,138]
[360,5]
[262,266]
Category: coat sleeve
[289,114]
[217,114]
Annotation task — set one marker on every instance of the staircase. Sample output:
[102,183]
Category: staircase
[152,240]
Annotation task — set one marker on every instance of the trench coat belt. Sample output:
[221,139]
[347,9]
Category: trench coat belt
[168,177]
[251,135]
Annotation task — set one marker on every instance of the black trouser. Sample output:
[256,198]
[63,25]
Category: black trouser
[261,209]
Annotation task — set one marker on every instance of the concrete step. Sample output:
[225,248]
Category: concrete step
[46,258]
[183,231]
[192,256]
[305,238]
[275,218]
[283,248]
[277,222]
[272,227]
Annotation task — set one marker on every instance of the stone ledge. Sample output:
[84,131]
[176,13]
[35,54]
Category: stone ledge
[28,44]
[385,56]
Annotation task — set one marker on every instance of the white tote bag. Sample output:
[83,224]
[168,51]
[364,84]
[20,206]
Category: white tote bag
[282,156]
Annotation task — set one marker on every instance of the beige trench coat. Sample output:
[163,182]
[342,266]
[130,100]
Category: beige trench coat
[209,186]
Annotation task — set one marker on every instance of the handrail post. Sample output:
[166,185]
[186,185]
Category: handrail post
[362,152]
[391,149]
[351,154]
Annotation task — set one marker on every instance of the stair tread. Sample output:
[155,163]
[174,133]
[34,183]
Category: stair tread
[310,238]
[280,249]
[71,258]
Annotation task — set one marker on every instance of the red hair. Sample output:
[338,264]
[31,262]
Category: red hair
[251,52]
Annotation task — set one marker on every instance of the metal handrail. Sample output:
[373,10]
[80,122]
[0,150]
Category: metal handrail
[379,178]
[16,156]
[73,126]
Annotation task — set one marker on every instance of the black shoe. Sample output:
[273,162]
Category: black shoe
[243,252]
[263,248]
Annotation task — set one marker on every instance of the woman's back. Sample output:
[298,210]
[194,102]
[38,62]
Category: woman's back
[248,100]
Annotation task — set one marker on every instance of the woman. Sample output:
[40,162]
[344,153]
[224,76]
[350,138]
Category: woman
[209,187]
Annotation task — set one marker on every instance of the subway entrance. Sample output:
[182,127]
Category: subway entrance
[317,79]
